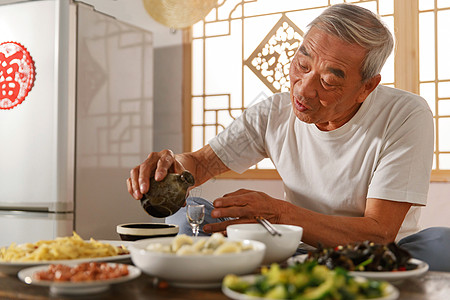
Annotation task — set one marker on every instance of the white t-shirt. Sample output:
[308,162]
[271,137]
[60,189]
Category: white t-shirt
[385,151]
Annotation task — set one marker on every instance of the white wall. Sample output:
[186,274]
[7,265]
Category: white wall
[134,13]
[167,52]
[114,128]
[437,211]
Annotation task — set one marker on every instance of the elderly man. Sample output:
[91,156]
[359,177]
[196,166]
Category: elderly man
[355,157]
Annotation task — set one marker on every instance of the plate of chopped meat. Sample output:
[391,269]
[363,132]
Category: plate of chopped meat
[79,279]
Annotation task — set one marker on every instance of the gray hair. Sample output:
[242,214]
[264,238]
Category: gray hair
[355,24]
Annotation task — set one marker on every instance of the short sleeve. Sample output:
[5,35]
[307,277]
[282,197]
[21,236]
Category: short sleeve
[242,144]
[404,166]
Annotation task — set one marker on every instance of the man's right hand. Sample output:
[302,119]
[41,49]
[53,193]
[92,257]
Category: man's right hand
[157,164]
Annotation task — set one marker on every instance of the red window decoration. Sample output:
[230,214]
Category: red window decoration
[17,74]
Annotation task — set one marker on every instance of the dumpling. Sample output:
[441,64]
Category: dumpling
[198,246]
[228,247]
[181,240]
[187,250]
[215,241]
[207,251]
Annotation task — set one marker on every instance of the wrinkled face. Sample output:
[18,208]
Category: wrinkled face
[326,86]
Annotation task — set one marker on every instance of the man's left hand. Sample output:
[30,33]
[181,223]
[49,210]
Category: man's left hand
[243,206]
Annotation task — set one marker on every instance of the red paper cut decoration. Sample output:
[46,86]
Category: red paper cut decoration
[17,74]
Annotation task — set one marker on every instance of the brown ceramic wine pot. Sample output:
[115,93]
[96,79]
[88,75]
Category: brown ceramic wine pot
[167,196]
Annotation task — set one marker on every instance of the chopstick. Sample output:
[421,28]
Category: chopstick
[268,226]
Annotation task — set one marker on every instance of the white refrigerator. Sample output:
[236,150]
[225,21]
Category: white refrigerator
[67,148]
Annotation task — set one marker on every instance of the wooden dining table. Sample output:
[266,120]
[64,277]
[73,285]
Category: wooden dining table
[430,286]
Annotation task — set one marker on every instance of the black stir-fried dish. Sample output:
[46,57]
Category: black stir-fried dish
[364,256]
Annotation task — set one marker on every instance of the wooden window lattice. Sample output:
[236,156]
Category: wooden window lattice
[270,60]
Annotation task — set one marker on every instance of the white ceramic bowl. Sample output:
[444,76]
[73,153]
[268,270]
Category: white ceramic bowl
[279,248]
[139,231]
[199,270]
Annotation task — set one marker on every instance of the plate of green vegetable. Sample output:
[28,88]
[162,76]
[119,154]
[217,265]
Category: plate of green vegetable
[305,281]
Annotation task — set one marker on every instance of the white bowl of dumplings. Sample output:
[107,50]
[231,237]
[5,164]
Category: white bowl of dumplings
[196,261]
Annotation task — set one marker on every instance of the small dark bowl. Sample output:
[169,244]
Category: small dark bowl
[139,231]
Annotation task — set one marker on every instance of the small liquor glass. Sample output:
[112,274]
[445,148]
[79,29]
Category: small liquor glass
[195,215]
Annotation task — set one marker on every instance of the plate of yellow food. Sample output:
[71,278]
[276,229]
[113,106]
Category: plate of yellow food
[71,249]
